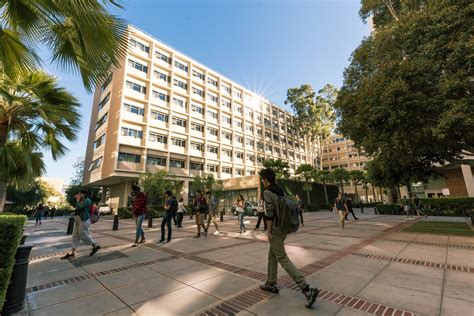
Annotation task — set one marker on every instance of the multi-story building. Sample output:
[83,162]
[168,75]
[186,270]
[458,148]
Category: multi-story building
[163,109]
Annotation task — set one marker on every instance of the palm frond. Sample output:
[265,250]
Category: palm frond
[15,57]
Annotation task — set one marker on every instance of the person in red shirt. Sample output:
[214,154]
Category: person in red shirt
[139,207]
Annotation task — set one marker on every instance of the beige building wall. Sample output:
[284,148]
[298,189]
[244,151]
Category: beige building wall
[163,109]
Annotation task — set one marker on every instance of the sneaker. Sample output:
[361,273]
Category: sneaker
[256,228]
[67,256]
[161,240]
[205,233]
[94,250]
[311,296]
[197,236]
[270,288]
[143,240]
[134,245]
[217,232]
[168,240]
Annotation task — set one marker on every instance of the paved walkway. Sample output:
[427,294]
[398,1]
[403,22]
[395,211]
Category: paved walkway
[368,268]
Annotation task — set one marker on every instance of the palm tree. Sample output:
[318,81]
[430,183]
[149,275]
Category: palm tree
[340,175]
[306,171]
[357,177]
[323,176]
[35,115]
[280,167]
[365,185]
[81,35]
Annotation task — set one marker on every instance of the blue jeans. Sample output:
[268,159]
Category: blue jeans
[166,222]
[38,218]
[138,222]
[241,220]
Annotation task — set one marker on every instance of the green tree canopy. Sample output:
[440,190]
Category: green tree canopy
[207,183]
[157,183]
[407,97]
[340,175]
[314,113]
[95,193]
[81,35]
[281,167]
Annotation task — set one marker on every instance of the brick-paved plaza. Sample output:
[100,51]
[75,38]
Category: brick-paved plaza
[368,268]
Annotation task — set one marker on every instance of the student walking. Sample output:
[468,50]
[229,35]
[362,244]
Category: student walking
[417,205]
[171,207]
[81,225]
[181,211]
[261,214]
[406,204]
[240,204]
[300,205]
[200,209]
[341,208]
[39,213]
[274,213]
[139,208]
[350,209]
[213,212]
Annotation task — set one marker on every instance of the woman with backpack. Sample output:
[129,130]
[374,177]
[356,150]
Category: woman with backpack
[240,204]
[38,214]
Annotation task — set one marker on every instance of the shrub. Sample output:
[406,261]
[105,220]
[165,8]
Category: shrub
[448,206]
[389,209]
[11,230]
[125,212]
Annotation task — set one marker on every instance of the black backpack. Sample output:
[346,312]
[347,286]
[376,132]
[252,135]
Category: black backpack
[289,218]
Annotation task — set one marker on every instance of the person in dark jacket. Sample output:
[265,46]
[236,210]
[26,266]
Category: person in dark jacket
[139,208]
[171,207]
[81,225]
[200,209]
[349,208]
[299,204]
[276,237]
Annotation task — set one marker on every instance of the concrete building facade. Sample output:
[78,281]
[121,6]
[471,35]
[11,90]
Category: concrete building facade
[163,109]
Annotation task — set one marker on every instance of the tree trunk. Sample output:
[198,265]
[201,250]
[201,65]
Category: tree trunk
[308,196]
[3,196]
[356,193]
[326,193]
[374,193]
[366,194]
[342,186]
[381,194]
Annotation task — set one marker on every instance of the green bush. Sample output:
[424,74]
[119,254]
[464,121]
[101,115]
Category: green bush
[448,206]
[11,230]
[389,209]
[125,212]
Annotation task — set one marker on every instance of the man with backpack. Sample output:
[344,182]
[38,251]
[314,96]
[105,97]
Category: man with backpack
[340,207]
[200,209]
[213,211]
[171,207]
[281,215]
[139,208]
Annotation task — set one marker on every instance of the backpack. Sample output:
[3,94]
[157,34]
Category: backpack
[94,215]
[289,215]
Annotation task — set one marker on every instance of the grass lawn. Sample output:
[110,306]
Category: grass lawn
[442,228]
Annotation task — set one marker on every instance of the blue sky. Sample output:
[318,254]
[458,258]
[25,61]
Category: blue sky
[267,46]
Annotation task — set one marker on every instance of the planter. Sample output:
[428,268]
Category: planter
[17,289]
[23,238]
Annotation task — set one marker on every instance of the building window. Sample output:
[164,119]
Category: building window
[157,138]
[250,172]
[135,87]
[238,124]
[212,97]
[250,158]
[239,155]
[181,66]
[197,109]
[260,146]
[106,83]
[160,96]
[212,168]
[239,139]
[227,152]
[180,103]
[226,89]
[226,104]
[260,159]
[249,128]
[126,157]
[197,127]
[227,170]
[99,141]
[179,122]
[197,146]
[212,131]
[212,114]
[238,109]
[101,121]
[238,94]
[198,75]
[130,132]
[227,136]
[140,46]
[196,166]
[162,76]
[104,101]
[239,172]
[156,161]
[163,57]
[227,120]
[137,66]
[178,142]
[250,142]
[259,132]
[95,164]
[180,84]
[212,81]
[198,92]
[159,116]
[134,109]
[175,163]
[213,149]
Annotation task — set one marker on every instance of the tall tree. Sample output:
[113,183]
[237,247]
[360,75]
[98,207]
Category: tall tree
[281,167]
[341,176]
[81,35]
[35,115]
[306,171]
[157,183]
[408,93]
[357,177]
[314,113]
[95,193]
[325,177]
[207,183]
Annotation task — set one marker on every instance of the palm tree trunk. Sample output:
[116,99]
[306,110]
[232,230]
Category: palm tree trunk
[3,195]
[381,195]
[366,194]
[373,192]
[325,193]
[342,187]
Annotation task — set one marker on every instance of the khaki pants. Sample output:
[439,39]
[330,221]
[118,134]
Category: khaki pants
[213,217]
[200,222]
[81,232]
[277,254]
[342,217]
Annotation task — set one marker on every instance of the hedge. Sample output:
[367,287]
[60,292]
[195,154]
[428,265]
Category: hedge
[11,231]
[435,207]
